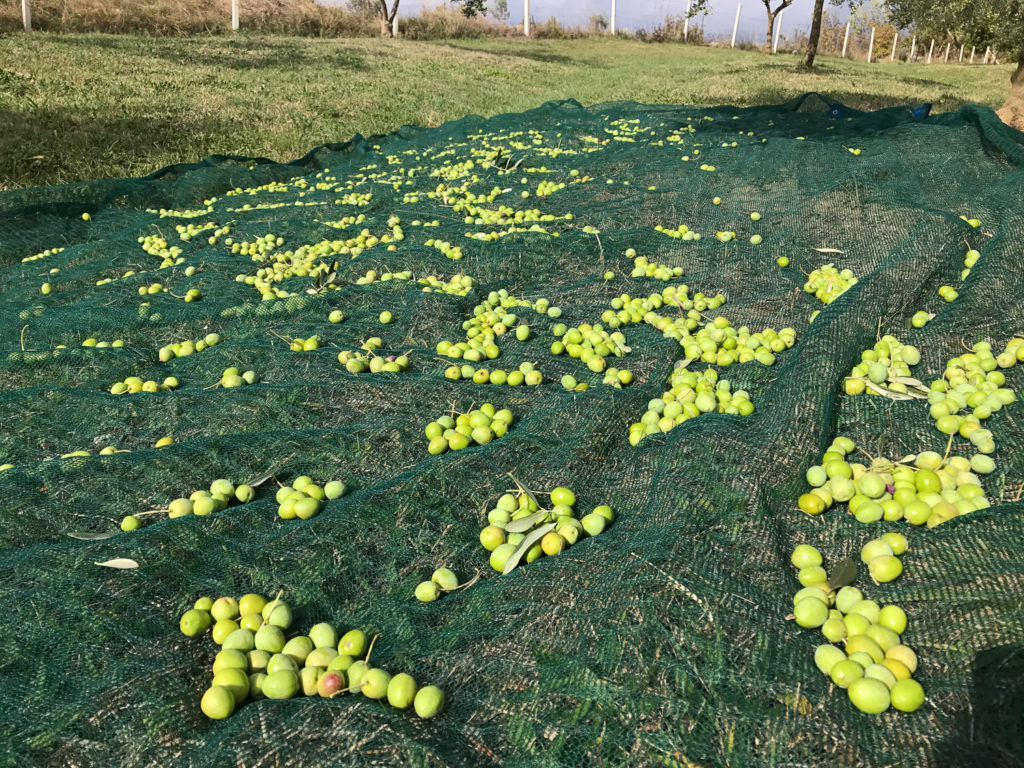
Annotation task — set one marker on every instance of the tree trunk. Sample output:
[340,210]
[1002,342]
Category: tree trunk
[385,27]
[1012,112]
[812,40]
[771,28]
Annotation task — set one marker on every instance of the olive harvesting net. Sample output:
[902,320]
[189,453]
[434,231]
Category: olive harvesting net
[663,641]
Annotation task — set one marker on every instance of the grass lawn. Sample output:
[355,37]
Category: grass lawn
[79,107]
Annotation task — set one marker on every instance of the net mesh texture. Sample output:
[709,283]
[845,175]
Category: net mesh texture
[661,642]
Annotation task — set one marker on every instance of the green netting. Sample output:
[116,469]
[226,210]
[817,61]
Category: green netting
[664,640]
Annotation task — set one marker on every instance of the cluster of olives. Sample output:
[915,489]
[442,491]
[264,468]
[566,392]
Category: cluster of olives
[256,660]
[42,254]
[478,426]
[186,348]
[644,268]
[591,344]
[519,530]
[682,232]
[827,283]
[974,381]
[91,342]
[357,362]
[192,294]
[303,498]
[151,289]
[155,245]
[233,378]
[928,492]
[882,557]
[629,309]
[221,494]
[457,285]
[134,384]
[888,363]
[441,581]
[874,666]
[525,374]
[452,252]
[493,317]
[305,345]
[719,343]
[689,395]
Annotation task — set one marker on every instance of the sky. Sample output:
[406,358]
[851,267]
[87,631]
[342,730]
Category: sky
[648,14]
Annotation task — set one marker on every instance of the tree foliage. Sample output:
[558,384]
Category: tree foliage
[471,8]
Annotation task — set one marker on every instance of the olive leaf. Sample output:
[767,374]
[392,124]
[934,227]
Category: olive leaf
[843,574]
[827,250]
[258,483]
[523,524]
[119,562]
[526,490]
[908,380]
[90,536]
[531,538]
[887,392]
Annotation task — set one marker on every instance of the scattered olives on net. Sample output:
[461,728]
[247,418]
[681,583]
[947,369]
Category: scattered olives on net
[220,496]
[885,369]
[355,361]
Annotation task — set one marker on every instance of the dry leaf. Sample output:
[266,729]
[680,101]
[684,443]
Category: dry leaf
[119,562]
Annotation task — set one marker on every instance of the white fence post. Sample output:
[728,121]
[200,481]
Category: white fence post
[895,43]
[930,49]
[846,39]
[778,29]
[735,25]
[234,15]
[526,18]
[394,26]
[972,54]
[611,25]
[985,60]
[686,22]
[913,48]
[871,45]
[961,59]
[946,60]
[26,14]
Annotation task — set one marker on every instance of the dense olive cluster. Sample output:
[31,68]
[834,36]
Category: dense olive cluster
[257,661]
[827,283]
[974,382]
[133,384]
[457,285]
[185,348]
[303,499]
[493,318]
[222,494]
[889,364]
[479,426]
[874,666]
[929,491]
[358,362]
[520,530]
[591,345]
[689,395]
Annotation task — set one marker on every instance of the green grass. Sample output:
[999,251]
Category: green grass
[79,107]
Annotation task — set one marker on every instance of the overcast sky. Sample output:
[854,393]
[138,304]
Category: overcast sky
[648,14]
